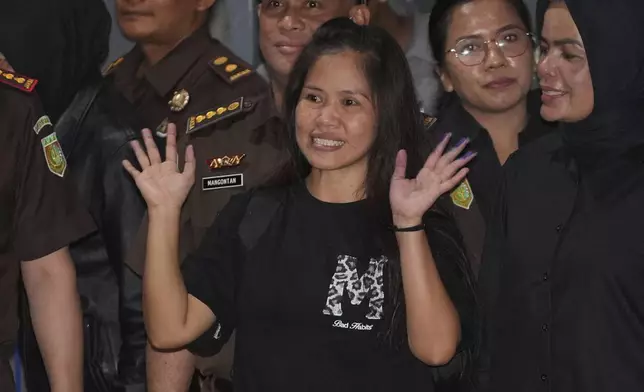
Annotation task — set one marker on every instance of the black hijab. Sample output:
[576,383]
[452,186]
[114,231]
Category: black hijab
[613,36]
[62,43]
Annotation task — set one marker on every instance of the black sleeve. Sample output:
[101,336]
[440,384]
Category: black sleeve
[455,272]
[211,274]
[489,275]
[451,261]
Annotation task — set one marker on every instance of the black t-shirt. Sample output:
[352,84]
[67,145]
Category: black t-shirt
[307,302]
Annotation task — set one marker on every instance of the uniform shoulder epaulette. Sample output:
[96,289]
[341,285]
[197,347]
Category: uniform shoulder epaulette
[108,70]
[229,69]
[428,121]
[215,115]
[21,82]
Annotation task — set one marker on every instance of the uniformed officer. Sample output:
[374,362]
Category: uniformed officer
[178,74]
[286,26]
[38,220]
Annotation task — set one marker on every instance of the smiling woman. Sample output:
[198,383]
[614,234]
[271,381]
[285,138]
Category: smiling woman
[355,274]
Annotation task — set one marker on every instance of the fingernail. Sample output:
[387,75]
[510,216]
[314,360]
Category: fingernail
[469,154]
[461,142]
[447,136]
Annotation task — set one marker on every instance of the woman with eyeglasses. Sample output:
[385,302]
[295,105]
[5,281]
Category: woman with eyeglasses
[485,56]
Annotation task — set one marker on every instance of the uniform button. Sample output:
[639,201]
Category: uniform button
[248,104]
[544,377]
[545,276]
[558,228]
[544,327]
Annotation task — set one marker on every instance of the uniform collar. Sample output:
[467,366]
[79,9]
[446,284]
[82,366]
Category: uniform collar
[462,124]
[167,73]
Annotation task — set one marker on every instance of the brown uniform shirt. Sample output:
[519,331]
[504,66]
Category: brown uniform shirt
[37,213]
[222,108]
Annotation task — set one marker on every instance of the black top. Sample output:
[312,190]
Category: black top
[486,170]
[563,270]
[309,301]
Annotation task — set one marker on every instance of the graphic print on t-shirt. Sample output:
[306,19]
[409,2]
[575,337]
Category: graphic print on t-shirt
[370,284]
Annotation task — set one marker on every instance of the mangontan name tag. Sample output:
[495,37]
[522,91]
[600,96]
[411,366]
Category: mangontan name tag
[221,182]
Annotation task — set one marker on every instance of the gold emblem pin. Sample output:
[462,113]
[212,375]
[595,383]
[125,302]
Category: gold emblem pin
[179,100]
[463,196]
[226,161]
[231,67]
[221,60]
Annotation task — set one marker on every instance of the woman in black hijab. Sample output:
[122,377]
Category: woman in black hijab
[563,271]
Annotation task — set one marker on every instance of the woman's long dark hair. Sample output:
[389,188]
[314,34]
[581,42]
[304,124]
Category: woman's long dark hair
[399,125]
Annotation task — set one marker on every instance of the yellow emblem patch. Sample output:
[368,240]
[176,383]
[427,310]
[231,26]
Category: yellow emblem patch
[463,196]
[54,155]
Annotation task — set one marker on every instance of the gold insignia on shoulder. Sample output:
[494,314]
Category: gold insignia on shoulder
[113,66]
[54,155]
[213,116]
[220,60]
[179,100]
[15,80]
[240,74]
[428,121]
[229,71]
[41,123]
[463,196]
[162,129]
[225,161]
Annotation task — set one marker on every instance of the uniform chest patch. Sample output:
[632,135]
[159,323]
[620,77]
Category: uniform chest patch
[463,196]
[221,182]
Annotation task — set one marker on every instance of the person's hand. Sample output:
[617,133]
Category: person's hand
[161,183]
[411,198]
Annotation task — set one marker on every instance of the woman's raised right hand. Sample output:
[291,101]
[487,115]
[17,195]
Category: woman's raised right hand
[161,183]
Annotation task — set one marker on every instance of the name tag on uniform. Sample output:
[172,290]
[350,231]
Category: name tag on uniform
[221,182]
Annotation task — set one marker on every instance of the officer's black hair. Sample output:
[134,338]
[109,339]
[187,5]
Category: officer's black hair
[398,126]
[441,18]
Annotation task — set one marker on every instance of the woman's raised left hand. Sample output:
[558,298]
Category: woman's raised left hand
[411,198]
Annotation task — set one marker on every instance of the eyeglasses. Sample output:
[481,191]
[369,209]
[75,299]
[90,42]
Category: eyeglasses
[512,43]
